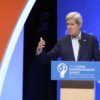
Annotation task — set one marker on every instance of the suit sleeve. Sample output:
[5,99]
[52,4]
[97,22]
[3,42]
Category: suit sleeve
[96,51]
[45,58]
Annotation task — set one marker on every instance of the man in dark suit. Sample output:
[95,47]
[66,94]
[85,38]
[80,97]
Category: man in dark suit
[76,46]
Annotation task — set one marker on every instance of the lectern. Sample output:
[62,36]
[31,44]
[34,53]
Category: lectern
[77,79]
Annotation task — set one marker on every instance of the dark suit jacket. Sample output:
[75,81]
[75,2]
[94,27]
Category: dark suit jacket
[88,51]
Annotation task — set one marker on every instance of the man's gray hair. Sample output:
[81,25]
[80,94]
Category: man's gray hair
[76,16]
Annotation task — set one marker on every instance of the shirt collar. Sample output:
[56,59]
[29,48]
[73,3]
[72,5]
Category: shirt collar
[77,37]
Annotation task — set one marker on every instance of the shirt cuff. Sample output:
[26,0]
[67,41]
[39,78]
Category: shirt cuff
[38,51]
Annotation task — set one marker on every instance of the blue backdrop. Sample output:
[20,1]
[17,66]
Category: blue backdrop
[89,10]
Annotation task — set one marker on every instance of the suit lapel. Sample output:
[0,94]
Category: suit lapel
[69,43]
[82,46]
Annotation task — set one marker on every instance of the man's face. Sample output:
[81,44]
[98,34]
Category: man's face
[73,27]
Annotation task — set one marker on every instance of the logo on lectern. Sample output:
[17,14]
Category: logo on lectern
[62,69]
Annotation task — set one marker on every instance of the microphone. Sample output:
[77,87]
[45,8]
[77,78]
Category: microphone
[80,42]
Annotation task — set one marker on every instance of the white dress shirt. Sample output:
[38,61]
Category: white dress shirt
[76,46]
